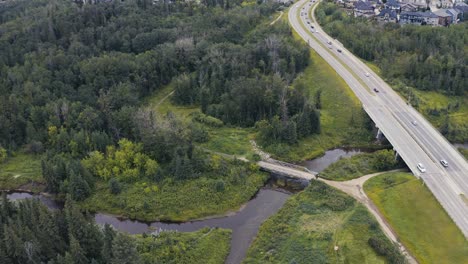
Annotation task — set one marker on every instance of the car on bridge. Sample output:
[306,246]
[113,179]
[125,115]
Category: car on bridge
[444,163]
[376,90]
[421,167]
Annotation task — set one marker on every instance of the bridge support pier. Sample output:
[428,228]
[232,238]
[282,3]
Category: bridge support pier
[396,154]
[379,134]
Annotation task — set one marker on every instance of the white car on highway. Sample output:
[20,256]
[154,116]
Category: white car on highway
[444,163]
[421,167]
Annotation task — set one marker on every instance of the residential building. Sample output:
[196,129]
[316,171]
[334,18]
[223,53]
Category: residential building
[387,15]
[419,18]
[421,4]
[462,8]
[363,9]
[409,7]
[392,5]
[455,15]
[445,19]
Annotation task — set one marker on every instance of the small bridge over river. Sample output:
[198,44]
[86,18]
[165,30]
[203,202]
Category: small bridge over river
[287,169]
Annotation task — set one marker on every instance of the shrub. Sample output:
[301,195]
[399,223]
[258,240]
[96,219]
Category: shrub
[114,186]
[207,120]
[385,248]
[3,154]
[219,186]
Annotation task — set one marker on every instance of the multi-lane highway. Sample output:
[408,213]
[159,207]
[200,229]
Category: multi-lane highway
[412,136]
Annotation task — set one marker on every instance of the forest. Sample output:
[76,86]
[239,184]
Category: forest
[32,233]
[74,79]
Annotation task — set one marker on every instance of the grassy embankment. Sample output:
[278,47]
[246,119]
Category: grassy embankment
[210,194]
[439,109]
[311,223]
[343,121]
[360,165]
[210,246]
[419,220]
[20,171]
[464,152]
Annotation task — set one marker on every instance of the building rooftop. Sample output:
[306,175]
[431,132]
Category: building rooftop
[442,13]
[420,14]
[389,12]
[363,5]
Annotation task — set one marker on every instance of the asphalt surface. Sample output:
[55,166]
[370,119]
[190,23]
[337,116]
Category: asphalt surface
[411,135]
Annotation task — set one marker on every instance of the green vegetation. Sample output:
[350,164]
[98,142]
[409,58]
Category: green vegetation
[419,220]
[464,152]
[448,113]
[224,187]
[426,65]
[78,98]
[342,120]
[20,170]
[360,165]
[33,234]
[225,139]
[210,246]
[315,220]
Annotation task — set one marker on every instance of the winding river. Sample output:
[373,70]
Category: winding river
[244,223]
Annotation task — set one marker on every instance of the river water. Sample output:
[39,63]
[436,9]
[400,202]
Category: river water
[244,223]
[319,164]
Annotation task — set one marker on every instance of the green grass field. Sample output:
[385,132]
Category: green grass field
[225,139]
[311,224]
[210,246]
[419,220]
[20,170]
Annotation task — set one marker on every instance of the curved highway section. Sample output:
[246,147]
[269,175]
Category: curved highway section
[411,135]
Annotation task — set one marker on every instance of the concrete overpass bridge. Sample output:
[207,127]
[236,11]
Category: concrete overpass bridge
[411,135]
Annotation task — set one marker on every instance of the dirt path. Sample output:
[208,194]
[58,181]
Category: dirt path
[355,189]
[274,21]
[163,99]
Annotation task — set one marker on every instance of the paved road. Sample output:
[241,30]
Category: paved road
[415,143]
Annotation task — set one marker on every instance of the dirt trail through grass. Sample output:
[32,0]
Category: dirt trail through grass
[355,189]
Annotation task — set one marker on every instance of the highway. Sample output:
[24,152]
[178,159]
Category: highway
[411,135]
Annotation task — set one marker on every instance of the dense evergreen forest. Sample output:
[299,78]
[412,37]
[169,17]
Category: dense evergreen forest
[72,79]
[74,82]
[428,58]
[31,233]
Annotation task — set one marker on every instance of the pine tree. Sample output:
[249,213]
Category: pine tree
[76,252]
[109,235]
[78,188]
[124,250]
